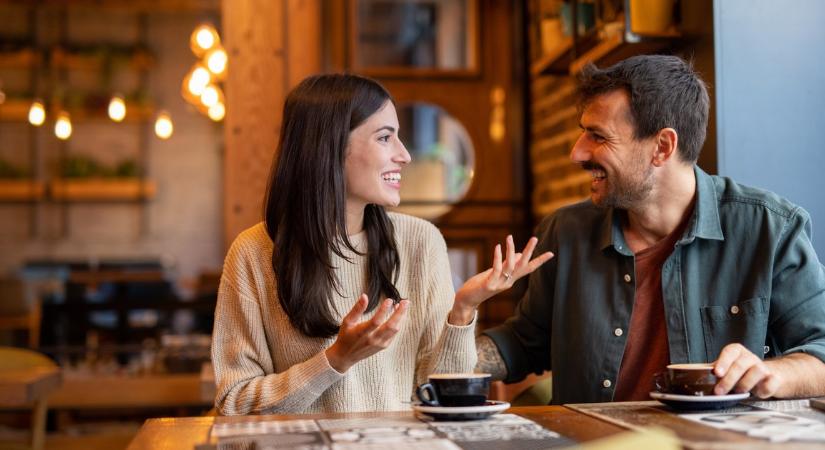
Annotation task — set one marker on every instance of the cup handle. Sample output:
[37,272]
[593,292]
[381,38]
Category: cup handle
[660,382]
[430,399]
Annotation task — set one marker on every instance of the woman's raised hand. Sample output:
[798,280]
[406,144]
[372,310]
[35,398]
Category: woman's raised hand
[358,340]
[496,279]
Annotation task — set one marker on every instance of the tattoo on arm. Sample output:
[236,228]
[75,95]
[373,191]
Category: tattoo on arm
[489,358]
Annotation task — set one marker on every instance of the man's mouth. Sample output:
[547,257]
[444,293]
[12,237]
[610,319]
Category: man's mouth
[596,171]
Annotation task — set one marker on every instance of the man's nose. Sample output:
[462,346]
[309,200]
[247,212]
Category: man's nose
[580,151]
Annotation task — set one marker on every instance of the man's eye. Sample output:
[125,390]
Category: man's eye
[596,137]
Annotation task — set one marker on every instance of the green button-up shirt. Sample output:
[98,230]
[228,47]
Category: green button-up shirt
[744,271]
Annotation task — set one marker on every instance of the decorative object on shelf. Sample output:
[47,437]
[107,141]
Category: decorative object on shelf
[201,85]
[84,178]
[651,16]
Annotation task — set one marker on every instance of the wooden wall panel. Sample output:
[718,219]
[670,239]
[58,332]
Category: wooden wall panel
[272,45]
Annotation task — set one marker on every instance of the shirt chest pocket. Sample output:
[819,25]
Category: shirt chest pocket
[745,322]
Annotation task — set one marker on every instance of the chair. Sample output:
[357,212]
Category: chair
[15,360]
[20,309]
[535,390]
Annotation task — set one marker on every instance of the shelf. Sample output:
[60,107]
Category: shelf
[20,59]
[98,189]
[17,110]
[139,60]
[20,190]
[621,46]
[564,60]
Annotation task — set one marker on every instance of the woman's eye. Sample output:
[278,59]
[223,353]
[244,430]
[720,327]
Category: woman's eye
[384,138]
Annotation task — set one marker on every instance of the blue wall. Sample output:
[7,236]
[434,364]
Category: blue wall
[770,99]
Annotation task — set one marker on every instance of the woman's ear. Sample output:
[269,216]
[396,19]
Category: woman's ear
[667,140]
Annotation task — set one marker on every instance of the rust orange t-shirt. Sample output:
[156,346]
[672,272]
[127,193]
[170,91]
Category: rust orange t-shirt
[646,351]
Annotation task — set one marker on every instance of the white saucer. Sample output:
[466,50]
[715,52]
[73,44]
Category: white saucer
[461,412]
[699,402]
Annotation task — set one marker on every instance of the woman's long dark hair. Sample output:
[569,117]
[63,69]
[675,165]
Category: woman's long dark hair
[305,210]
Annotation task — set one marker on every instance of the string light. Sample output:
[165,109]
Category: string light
[216,61]
[63,126]
[37,113]
[117,108]
[198,80]
[217,112]
[210,96]
[203,38]
[163,125]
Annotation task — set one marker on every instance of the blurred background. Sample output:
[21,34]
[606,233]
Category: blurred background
[136,139]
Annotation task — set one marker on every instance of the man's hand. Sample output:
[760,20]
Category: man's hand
[791,376]
[496,279]
[358,340]
[741,371]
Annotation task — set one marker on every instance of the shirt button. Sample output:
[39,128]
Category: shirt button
[734,309]
[767,349]
[619,247]
[627,278]
[618,331]
[607,383]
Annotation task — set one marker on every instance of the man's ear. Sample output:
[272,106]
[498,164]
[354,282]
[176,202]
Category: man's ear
[666,142]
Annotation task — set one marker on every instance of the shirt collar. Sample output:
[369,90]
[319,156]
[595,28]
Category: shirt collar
[704,223]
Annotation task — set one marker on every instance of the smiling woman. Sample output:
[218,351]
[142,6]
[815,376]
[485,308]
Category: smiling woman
[333,304]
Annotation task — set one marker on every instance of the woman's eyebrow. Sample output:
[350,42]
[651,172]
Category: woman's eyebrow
[385,127]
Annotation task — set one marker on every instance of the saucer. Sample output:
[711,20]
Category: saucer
[461,412]
[699,402]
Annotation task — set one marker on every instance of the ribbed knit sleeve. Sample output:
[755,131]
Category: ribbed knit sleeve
[444,348]
[244,369]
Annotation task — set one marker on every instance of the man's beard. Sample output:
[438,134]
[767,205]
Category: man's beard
[624,192]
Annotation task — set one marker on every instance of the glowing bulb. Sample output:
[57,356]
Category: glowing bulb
[216,60]
[117,108]
[210,96]
[163,126]
[198,81]
[203,38]
[37,113]
[63,126]
[217,112]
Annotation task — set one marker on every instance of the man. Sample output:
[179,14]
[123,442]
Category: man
[665,263]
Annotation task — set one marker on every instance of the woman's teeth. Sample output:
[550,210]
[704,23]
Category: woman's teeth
[392,177]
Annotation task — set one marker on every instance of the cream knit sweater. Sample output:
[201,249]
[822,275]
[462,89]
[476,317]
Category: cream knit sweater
[264,365]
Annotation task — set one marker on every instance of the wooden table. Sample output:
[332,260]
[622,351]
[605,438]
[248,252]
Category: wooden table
[581,423]
[24,387]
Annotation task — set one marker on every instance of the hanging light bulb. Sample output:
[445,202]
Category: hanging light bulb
[203,38]
[63,126]
[198,80]
[217,112]
[37,113]
[117,108]
[163,125]
[216,61]
[211,96]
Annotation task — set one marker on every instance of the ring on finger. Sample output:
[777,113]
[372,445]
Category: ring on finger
[507,275]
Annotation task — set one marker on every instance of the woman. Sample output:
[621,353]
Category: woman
[287,337]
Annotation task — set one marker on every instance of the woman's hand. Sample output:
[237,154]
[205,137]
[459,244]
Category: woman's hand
[496,279]
[358,340]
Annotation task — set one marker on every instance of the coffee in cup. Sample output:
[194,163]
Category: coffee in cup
[455,389]
[687,379]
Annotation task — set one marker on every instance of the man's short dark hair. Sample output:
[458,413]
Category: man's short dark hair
[665,92]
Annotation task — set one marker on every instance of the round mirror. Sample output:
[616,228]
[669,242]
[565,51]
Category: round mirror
[442,160]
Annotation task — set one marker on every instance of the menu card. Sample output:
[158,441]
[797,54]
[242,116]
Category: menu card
[503,431]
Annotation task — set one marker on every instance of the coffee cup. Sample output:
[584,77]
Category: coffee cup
[687,379]
[455,389]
